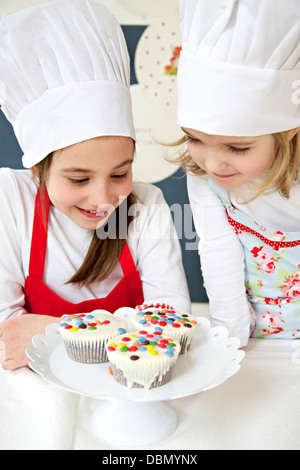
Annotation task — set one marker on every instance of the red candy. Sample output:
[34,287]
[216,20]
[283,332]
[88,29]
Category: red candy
[175,325]
[106,322]
[132,349]
[162,323]
[126,339]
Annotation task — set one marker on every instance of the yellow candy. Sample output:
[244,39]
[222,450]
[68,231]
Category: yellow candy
[153,352]
[112,345]
[150,347]
[133,336]
[121,345]
[74,329]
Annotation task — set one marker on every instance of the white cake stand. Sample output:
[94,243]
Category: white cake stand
[212,359]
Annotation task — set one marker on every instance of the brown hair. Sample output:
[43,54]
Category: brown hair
[282,174]
[103,254]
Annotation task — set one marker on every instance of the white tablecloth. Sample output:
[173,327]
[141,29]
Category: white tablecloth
[258,408]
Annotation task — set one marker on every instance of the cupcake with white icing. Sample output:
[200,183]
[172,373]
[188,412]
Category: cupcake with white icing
[85,335]
[141,359]
[167,321]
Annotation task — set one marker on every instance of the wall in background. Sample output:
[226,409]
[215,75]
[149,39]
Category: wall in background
[151,30]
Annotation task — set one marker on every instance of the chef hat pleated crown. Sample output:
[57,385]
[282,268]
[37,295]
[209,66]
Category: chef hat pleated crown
[65,76]
[239,70]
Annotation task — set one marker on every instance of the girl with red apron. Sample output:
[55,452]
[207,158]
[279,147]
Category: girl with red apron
[65,78]
[42,300]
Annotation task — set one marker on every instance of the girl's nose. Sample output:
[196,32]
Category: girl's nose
[98,196]
[215,162]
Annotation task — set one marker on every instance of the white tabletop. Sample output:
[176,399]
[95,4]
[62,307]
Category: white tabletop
[258,408]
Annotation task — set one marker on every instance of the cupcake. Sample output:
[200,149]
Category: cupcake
[85,335]
[170,322]
[142,360]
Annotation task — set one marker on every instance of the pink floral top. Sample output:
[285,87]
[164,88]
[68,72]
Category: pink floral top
[272,274]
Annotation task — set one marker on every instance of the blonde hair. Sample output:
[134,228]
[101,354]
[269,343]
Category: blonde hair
[283,173]
[103,254]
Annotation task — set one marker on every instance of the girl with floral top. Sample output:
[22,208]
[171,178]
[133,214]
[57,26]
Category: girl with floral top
[239,106]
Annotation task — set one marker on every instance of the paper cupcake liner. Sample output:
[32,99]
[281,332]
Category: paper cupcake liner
[87,352]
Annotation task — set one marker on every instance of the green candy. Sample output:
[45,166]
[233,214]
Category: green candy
[124,349]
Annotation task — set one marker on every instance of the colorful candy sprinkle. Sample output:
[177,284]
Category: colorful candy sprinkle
[134,358]
[82,321]
[150,346]
[153,352]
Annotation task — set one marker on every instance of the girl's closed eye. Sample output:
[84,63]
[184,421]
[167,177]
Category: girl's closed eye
[119,177]
[78,180]
[238,150]
[192,140]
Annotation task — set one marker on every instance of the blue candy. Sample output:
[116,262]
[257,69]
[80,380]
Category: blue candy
[142,349]
[121,331]
[169,352]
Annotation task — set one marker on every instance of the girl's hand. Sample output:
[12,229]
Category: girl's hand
[16,336]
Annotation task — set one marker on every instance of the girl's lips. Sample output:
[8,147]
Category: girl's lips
[224,176]
[93,214]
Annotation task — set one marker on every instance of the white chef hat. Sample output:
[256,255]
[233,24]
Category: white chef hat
[66,74]
[240,66]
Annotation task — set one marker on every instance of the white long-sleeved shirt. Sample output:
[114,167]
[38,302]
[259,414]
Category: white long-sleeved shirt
[152,240]
[221,253]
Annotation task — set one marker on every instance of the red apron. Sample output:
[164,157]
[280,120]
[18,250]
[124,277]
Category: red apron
[39,299]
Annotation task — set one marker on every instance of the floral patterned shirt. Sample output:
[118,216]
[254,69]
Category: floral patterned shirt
[272,273]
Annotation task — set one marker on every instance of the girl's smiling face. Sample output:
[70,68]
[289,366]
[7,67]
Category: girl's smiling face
[89,180]
[231,162]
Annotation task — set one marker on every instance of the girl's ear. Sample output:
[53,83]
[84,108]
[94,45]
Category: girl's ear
[34,170]
[293,132]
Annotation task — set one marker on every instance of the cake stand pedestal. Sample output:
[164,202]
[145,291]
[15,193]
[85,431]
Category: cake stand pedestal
[134,423]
